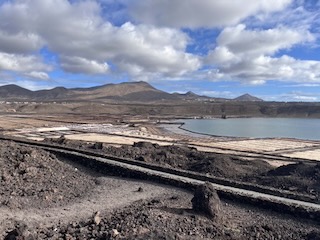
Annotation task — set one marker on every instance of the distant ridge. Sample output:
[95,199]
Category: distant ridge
[127,91]
[11,91]
[121,92]
[191,94]
[248,98]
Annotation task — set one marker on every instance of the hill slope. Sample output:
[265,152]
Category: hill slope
[248,98]
[122,92]
[128,91]
[14,91]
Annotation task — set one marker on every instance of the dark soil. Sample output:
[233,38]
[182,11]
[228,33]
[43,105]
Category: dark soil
[172,217]
[182,157]
[31,177]
[301,177]
[35,178]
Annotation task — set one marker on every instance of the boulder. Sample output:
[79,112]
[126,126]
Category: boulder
[206,200]
[147,145]
[98,146]
[96,218]
[19,233]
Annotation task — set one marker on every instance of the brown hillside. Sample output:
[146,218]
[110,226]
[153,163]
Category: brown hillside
[112,91]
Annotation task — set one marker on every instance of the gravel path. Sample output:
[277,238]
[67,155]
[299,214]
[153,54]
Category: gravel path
[110,193]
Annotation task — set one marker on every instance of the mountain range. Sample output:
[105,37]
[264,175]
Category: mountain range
[123,92]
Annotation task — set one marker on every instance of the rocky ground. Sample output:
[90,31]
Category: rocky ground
[183,157]
[35,179]
[172,217]
[300,177]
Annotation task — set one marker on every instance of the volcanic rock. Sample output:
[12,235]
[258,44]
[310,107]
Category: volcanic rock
[206,200]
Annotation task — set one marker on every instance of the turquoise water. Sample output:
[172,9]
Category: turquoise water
[257,127]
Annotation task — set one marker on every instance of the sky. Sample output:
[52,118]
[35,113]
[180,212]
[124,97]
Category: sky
[219,48]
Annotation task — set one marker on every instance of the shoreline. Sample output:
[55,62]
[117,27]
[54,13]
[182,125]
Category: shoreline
[191,133]
[184,131]
[173,132]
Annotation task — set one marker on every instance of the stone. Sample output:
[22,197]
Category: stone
[206,200]
[114,233]
[97,218]
[98,145]
[19,233]
[143,145]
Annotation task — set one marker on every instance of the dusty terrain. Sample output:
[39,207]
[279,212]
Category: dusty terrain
[33,178]
[171,217]
[33,194]
[296,177]
[128,209]
[255,170]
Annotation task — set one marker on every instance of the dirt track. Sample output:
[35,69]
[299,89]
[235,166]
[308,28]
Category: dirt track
[59,192]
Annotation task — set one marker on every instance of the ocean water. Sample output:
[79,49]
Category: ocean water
[257,127]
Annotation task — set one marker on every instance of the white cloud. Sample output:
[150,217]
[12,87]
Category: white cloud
[200,13]
[301,96]
[256,42]
[218,94]
[305,98]
[20,42]
[32,85]
[21,63]
[82,65]
[304,85]
[154,47]
[38,75]
[298,15]
[84,41]
[248,55]
[140,50]
[263,68]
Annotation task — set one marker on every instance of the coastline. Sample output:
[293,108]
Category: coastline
[177,128]
[170,132]
[255,128]
[275,151]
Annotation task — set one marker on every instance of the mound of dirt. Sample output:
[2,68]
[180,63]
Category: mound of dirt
[31,177]
[177,156]
[301,177]
[304,170]
[189,158]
